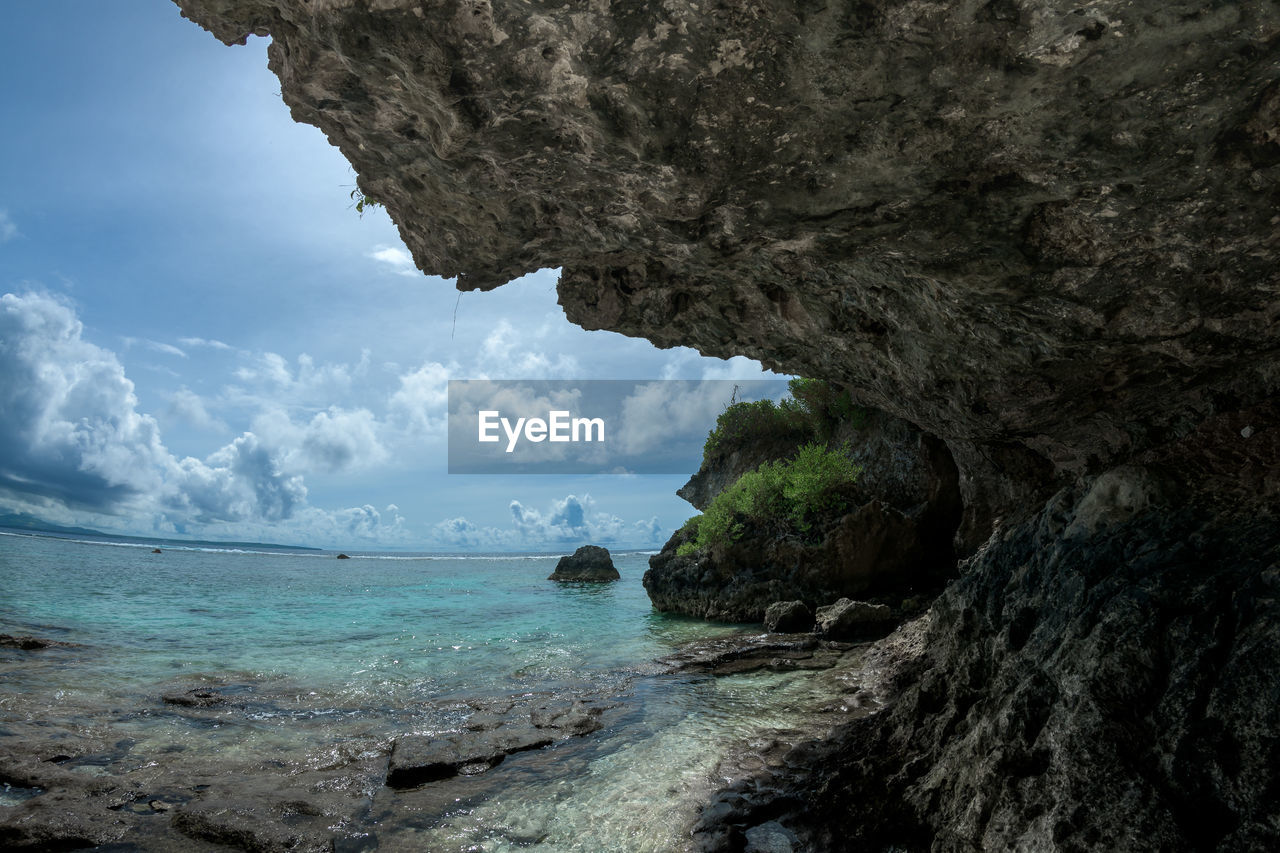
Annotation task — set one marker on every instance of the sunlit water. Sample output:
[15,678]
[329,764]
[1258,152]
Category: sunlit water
[346,654]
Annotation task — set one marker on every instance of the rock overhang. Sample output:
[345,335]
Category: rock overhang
[1040,230]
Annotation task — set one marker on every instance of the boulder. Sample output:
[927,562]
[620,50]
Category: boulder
[788,617]
[590,563]
[854,620]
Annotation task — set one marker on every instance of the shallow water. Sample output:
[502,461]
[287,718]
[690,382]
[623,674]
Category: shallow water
[331,659]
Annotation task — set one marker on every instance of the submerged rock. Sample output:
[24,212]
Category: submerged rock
[28,643]
[590,563]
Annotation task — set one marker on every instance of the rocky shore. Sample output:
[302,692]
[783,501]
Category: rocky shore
[142,778]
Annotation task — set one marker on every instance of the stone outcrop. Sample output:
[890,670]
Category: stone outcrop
[788,617]
[895,543]
[854,620]
[1103,676]
[589,564]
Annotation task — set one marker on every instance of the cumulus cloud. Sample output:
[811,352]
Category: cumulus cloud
[189,407]
[421,402]
[396,260]
[68,418]
[659,413]
[508,353]
[566,523]
[271,379]
[73,438]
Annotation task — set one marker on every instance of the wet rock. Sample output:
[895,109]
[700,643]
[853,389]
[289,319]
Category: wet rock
[590,563]
[419,759]
[197,697]
[854,620]
[788,617]
[246,826]
[28,643]
[771,837]
[343,557]
[573,718]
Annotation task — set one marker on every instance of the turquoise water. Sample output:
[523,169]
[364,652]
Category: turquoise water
[339,657]
[378,629]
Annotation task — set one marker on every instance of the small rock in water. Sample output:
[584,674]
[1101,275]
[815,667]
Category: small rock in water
[343,557]
[589,563]
[771,837]
[156,551]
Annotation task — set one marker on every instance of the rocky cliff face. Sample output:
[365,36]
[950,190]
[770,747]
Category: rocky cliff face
[1103,676]
[1044,232]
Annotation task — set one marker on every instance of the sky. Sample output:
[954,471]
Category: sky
[201,337]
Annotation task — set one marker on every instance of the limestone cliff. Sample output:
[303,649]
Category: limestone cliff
[1044,232]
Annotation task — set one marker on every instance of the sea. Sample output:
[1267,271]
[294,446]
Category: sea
[333,659]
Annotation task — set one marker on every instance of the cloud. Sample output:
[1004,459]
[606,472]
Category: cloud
[72,437]
[154,346]
[507,354]
[332,441]
[8,230]
[279,382]
[204,342]
[660,413]
[188,407]
[566,523]
[421,403]
[68,418]
[396,259]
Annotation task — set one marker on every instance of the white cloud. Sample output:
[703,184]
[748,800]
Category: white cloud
[507,354]
[656,413]
[396,259]
[68,419]
[154,346]
[566,523]
[8,230]
[73,438]
[204,342]
[421,403]
[274,381]
[189,407]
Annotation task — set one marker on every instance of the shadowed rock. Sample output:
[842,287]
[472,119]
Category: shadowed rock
[590,563]
[788,617]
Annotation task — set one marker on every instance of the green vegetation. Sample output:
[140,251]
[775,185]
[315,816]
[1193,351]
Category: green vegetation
[363,202]
[813,411]
[792,492]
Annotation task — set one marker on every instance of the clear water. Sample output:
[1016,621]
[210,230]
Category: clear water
[340,656]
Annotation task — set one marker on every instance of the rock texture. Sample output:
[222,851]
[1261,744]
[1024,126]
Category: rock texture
[854,620]
[590,563]
[788,617]
[1103,676]
[1041,230]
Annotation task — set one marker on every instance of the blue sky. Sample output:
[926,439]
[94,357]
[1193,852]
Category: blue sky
[199,335]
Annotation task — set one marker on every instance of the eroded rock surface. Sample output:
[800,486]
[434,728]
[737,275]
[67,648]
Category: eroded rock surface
[1095,680]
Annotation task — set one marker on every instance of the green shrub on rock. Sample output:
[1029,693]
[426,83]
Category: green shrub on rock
[789,494]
